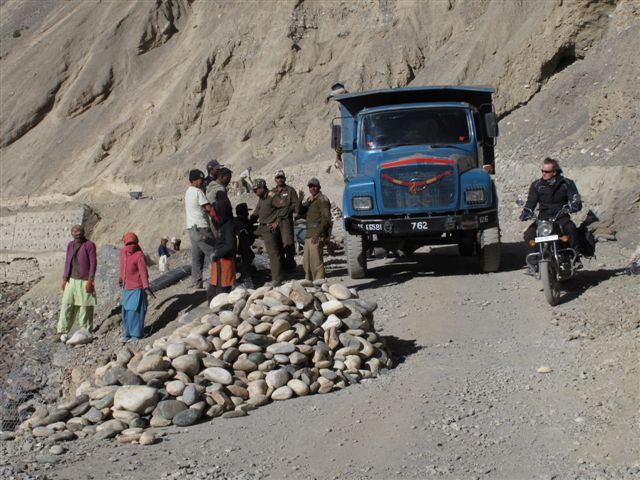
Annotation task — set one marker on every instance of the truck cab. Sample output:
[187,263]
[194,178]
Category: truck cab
[417,165]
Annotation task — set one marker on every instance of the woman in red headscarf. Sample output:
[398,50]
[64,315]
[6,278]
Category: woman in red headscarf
[134,280]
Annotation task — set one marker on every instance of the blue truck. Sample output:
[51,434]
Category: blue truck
[417,167]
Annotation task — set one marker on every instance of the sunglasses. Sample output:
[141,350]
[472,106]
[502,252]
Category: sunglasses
[547,171]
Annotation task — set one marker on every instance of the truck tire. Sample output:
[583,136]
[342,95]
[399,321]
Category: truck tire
[467,248]
[490,249]
[356,256]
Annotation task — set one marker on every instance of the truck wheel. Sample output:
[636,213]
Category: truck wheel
[467,248]
[356,256]
[490,249]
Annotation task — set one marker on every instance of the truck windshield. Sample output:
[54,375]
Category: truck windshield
[429,126]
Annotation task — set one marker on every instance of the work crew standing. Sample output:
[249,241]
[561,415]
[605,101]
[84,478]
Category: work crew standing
[197,209]
[223,258]
[79,296]
[317,210]
[244,232]
[134,280]
[212,172]
[289,198]
[219,184]
[269,212]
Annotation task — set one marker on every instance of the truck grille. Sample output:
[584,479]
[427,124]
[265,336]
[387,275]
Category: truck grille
[418,187]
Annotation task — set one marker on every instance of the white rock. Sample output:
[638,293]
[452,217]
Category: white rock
[174,350]
[80,337]
[277,378]
[339,291]
[237,295]
[227,317]
[299,387]
[135,398]
[219,302]
[218,375]
[332,321]
[147,438]
[281,348]
[282,393]
[226,333]
[175,388]
[332,306]
[544,369]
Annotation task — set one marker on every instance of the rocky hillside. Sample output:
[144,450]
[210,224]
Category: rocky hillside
[99,98]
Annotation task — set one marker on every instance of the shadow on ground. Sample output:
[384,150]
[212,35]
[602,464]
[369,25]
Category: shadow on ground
[437,262]
[586,279]
[400,349]
[172,307]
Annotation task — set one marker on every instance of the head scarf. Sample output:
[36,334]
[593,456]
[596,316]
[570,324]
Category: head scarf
[130,241]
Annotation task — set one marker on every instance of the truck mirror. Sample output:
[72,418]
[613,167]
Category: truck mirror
[491,124]
[336,136]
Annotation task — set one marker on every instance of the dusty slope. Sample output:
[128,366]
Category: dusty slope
[109,97]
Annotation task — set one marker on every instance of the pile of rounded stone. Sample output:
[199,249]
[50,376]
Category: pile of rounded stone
[254,347]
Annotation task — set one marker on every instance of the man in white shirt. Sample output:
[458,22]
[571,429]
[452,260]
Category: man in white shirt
[197,209]
[245,180]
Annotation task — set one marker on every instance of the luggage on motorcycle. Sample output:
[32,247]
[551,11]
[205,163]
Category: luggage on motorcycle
[586,240]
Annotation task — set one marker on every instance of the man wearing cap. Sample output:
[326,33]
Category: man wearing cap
[223,177]
[212,172]
[289,198]
[198,209]
[317,210]
[270,212]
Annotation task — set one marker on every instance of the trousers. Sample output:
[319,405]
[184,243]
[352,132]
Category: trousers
[312,259]
[273,244]
[76,304]
[288,247]
[202,243]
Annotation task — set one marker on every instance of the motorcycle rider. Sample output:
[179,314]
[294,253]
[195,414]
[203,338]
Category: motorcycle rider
[551,193]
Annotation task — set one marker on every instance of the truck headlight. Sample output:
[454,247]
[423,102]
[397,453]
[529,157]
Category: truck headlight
[362,203]
[544,228]
[474,195]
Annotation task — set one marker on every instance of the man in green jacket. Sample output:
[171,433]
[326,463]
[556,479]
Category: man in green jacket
[288,197]
[269,213]
[317,210]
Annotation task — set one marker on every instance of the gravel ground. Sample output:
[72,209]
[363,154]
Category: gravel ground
[465,400]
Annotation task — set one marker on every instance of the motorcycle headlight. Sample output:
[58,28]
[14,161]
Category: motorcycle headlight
[474,195]
[362,203]
[544,228]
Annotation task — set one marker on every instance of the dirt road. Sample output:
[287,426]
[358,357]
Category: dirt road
[465,401]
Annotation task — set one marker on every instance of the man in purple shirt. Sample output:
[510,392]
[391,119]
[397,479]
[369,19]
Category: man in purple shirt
[79,296]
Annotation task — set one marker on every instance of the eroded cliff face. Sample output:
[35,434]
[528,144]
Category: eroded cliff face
[104,97]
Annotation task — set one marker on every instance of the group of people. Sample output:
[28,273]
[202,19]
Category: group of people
[165,250]
[216,234]
[79,295]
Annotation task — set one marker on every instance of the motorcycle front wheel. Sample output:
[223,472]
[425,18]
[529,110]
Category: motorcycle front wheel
[550,282]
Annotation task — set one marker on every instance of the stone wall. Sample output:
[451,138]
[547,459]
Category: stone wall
[33,241]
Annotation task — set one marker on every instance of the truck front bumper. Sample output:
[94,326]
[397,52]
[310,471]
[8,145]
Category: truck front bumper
[422,225]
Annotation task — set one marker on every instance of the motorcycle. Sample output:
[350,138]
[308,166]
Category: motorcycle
[555,261]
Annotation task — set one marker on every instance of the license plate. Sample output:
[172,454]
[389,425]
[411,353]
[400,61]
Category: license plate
[548,238]
[372,227]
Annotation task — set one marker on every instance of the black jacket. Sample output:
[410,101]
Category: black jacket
[552,197]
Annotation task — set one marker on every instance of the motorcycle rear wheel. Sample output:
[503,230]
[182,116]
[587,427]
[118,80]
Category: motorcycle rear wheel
[550,283]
